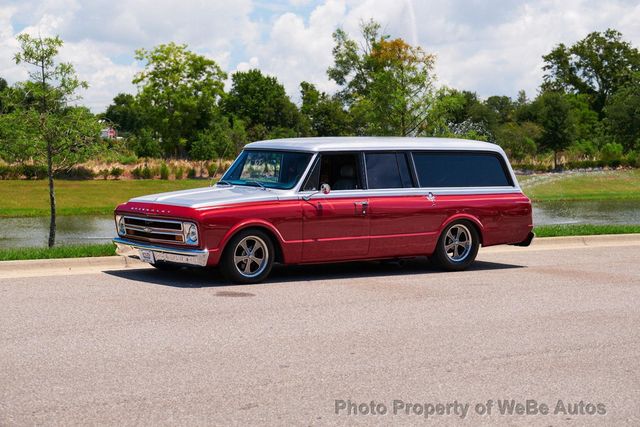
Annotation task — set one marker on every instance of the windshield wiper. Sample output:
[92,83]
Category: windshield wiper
[256,184]
[222,181]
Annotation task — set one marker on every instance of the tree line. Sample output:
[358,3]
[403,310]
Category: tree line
[588,104]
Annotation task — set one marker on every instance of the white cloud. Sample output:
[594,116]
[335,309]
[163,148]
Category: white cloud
[490,46]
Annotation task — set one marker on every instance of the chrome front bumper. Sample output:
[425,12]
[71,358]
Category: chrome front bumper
[131,248]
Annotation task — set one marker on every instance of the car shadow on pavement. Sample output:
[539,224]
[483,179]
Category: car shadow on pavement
[198,278]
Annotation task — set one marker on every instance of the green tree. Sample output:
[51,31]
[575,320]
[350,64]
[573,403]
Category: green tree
[386,83]
[622,115]
[125,113]
[49,130]
[518,140]
[553,111]
[261,102]
[596,66]
[179,92]
[325,114]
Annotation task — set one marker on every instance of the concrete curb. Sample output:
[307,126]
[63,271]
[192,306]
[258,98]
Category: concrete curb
[39,267]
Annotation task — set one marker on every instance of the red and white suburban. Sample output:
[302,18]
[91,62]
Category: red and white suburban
[318,200]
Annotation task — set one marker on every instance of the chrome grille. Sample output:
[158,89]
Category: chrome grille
[154,230]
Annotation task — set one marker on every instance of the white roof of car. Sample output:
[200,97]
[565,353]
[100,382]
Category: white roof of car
[372,143]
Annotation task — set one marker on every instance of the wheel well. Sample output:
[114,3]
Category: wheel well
[276,243]
[472,224]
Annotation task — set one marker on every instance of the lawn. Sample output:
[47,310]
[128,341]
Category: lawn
[76,251]
[606,185]
[20,198]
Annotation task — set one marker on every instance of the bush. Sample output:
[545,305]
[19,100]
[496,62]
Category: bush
[211,169]
[8,172]
[137,172]
[164,171]
[104,173]
[611,152]
[77,172]
[116,172]
[192,173]
[128,159]
[32,171]
[179,172]
[147,173]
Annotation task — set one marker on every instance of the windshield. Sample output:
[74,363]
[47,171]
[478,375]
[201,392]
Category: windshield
[270,169]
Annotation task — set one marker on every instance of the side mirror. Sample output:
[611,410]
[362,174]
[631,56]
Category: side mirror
[324,189]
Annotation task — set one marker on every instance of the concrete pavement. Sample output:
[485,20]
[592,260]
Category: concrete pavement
[138,346]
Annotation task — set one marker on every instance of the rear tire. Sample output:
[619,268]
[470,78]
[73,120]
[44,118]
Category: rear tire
[248,257]
[457,246]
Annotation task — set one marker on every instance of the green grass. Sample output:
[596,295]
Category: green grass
[78,251]
[620,185]
[583,230]
[22,198]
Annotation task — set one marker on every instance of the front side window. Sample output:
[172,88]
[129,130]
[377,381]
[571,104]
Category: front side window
[271,169]
[461,169]
[387,170]
[341,171]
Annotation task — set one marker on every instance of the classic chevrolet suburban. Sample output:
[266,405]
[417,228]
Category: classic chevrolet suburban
[318,200]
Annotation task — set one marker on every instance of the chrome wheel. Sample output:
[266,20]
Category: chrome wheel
[251,256]
[458,243]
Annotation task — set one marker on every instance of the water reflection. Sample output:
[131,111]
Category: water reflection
[81,229]
[23,232]
[587,212]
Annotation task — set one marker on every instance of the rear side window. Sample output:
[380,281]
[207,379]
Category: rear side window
[461,169]
[387,170]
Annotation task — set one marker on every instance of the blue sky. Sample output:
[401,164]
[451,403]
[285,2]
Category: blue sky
[490,46]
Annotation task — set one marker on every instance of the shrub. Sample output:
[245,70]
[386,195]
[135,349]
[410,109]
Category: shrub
[128,159]
[164,171]
[116,172]
[192,173]
[137,172]
[179,172]
[8,172]
[77,172]
[211,169]
[146,172]
[104,173]
[611,152]
[32,171]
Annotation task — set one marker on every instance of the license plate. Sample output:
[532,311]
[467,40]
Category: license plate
[147,256]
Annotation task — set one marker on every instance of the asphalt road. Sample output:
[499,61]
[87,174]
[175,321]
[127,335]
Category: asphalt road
[145,347]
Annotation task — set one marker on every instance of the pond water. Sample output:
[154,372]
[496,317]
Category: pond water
[23,232]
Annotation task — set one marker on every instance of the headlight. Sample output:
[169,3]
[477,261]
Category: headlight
[191,233]
[120,228]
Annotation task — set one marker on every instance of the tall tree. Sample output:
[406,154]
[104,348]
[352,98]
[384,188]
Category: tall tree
[49,130]
[554,115]
[125,113]
[596,66]
[325,113]
[386,82]
[179,92]
[622,115]
[262,103]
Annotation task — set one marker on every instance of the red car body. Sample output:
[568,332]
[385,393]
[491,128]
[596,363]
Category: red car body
[313,227]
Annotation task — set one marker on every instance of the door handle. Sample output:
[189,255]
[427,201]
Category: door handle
[363,206]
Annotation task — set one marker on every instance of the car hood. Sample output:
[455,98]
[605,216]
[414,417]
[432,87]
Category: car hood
[210,196]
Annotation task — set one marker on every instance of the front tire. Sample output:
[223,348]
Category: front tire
[457,247]
[248,257]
